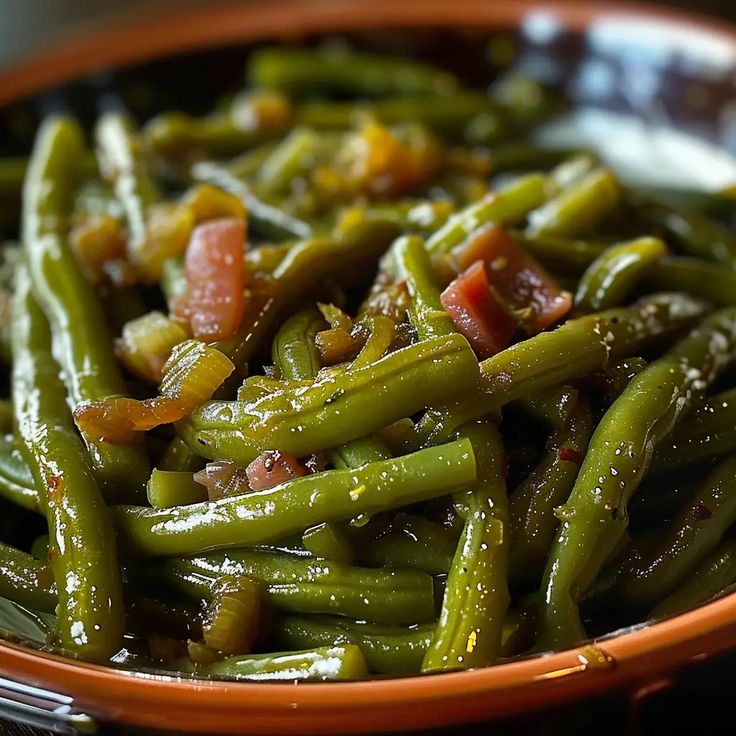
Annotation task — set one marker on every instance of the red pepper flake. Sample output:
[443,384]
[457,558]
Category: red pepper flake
[568,455]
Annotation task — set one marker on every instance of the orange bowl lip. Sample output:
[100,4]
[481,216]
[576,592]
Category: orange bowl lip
[641,654]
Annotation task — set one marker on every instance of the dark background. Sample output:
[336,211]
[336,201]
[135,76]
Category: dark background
[700,698]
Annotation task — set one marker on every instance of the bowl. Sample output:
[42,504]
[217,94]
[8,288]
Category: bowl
[670,70]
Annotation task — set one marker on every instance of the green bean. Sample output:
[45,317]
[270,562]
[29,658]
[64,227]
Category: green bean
[579,209]
[167,488]
[594,519]
[572,350]
[715,572]
[266,219]
[476,597]
[307,585]
[553,406]
[328,542]
[81,340]
[179,457]
[571,171]
[307,71]
[677,549]
[358,452]
[610,278]
[26,580]
[447,115]
[390,650]
[322,664]
[531,508]
[178,135]
[562,255]
[507,206]
[695,234]
[82,543]
[123,163]
[302,420]
[525,156]
[294,352]
[16,480]
[414,542]
[247,164]
[413,265]
[709,431]
[700,278]
[288,160]
[270,515]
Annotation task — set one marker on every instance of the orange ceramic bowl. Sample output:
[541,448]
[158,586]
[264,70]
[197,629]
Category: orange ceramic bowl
[676,50]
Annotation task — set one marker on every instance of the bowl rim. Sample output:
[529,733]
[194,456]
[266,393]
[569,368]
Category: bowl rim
[642,655]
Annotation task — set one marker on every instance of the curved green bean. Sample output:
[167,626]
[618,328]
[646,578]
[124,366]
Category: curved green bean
[16,480]
[677,549]
[595,517]
[532,505]
[609,279]
[82,543]
[715,572]
[81,341]
[26,580]
[707,432]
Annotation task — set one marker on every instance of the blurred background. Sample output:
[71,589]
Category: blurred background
[29,26]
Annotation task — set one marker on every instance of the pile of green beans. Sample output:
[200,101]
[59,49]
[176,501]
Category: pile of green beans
[363,494]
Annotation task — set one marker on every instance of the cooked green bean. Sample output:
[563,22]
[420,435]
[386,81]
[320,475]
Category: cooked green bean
[412,541]
[307,585]
[608,280]
[695,234]
[579,209]
[82,543]
[709,431]
[532,505]
[414,267]
[325,664]
[469,630]
[270,515]
[82,344]
[301,420]
[305,71]
[294,352]
[553,406]
[715,572]
[505,207]
[594,518]
[390,650]
[16,480]
[675,551]
[26,580]
[168,488]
